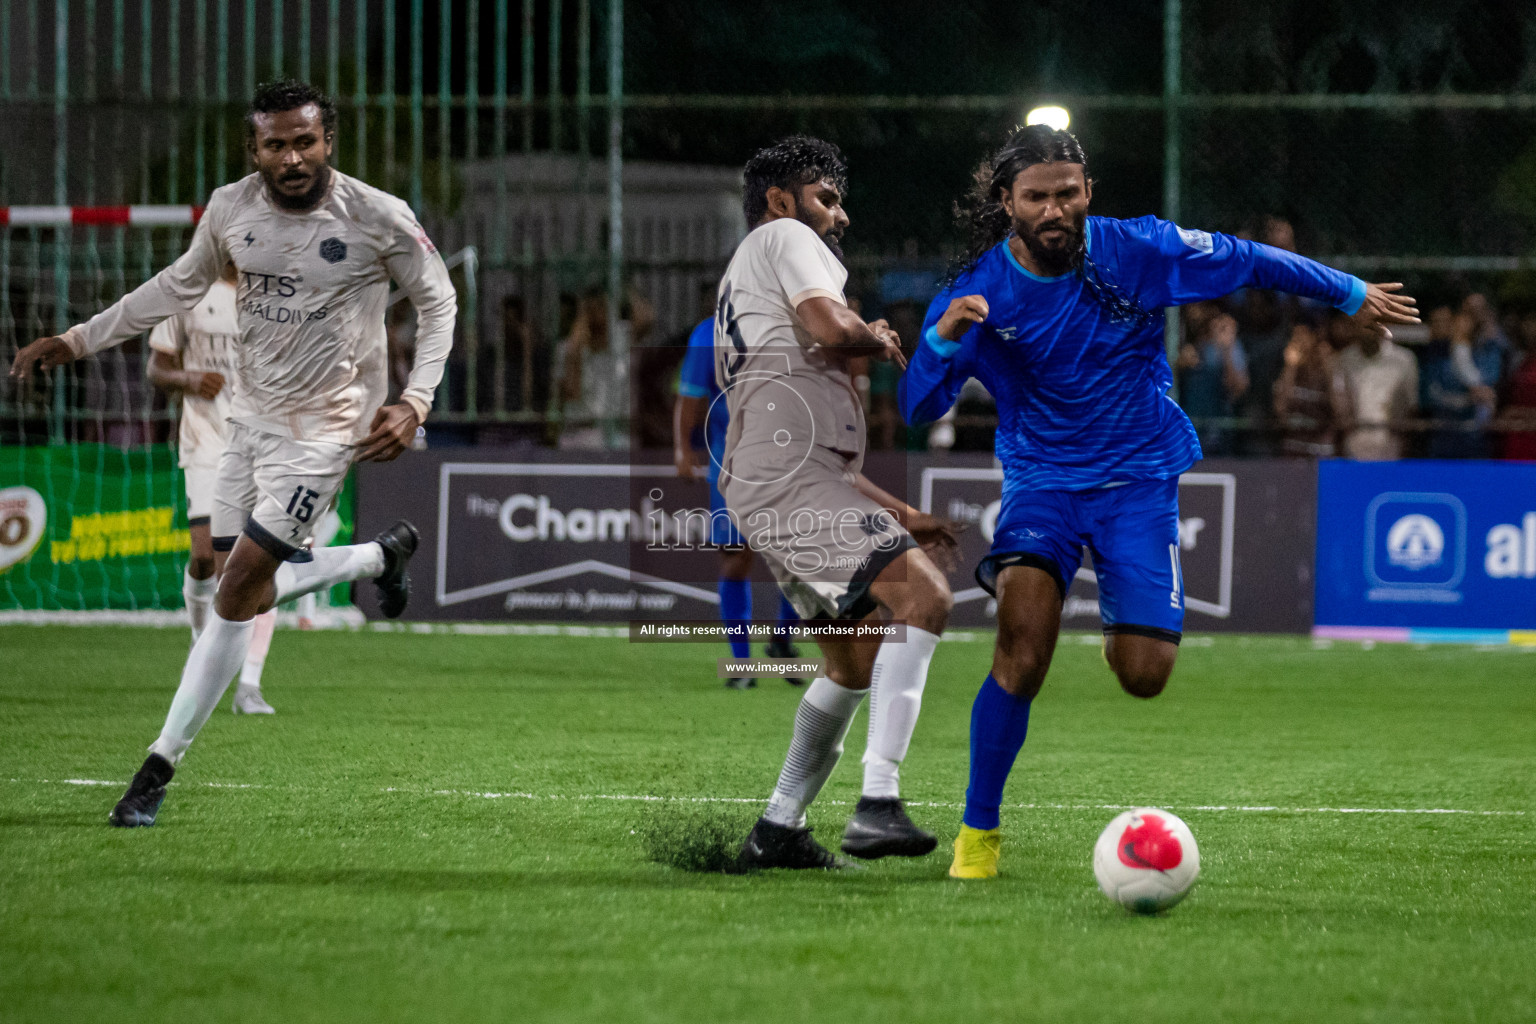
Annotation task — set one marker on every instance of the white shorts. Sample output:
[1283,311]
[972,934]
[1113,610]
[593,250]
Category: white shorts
[824,540]
[201,480]
[275,489]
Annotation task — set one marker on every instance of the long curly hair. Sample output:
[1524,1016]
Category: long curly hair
[789,163]
[986,223]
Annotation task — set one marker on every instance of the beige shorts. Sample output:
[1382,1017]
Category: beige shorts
[275,489]
[201,478]
[824,541]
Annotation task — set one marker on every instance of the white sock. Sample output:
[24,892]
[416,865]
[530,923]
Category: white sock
[256,653]
[820,725]
[198,595]
[895,697]
[307,606]
[214,660]
[330,567]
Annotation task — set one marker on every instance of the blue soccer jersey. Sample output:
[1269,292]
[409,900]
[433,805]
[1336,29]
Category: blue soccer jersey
[698,381]
[1081,391]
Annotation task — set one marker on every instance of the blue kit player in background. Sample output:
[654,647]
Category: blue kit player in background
[696,405]
[1058,314]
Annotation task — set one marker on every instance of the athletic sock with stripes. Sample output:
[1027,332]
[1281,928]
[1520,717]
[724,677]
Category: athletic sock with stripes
[820,725]
[895,697]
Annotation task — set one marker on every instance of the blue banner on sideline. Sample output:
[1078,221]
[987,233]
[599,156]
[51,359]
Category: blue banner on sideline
[1436,545]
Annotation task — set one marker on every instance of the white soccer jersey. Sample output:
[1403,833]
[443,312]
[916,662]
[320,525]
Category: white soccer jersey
[312,290]
[781,387]
[207,338]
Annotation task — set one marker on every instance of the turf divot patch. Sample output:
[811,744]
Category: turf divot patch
[694,838]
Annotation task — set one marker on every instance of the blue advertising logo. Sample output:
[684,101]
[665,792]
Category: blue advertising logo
[1406,549]
[1416,546]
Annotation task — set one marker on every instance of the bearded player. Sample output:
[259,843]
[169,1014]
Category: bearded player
[1058,315]
[315,250]
[841,549]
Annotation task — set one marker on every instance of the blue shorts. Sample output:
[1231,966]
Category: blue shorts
[722,527]
[1132,531]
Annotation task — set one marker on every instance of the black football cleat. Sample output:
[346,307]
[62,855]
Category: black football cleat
[741,683]
[394,583]
[779,846]
[139,805]
[880,828]
[785,648]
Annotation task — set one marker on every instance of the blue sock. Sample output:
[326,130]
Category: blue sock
[787,617]
[999,722]
[736,612]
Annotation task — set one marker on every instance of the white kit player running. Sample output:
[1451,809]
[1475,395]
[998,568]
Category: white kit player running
[315,250]
[840,547]
[196,355]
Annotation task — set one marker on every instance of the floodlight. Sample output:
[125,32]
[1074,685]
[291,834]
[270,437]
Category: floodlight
[1056,117]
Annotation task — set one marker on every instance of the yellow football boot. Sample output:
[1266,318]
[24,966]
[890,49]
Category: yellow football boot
[976,853]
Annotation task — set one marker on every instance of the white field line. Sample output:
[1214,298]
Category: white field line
[651,798]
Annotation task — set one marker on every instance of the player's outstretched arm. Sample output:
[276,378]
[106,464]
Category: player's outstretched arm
[1384,305]
[1200,265]
[42,354]
[173,290]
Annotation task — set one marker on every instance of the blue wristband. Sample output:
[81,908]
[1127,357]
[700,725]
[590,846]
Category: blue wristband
[942,347]
[1356,298]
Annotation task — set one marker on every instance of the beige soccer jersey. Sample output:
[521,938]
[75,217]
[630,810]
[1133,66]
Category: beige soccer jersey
[781,388]
[312,291]
[207,339]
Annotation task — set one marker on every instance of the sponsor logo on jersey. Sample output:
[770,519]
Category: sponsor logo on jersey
[333,250]
[282,314]
[419,233]
[1199,240]
[284,286]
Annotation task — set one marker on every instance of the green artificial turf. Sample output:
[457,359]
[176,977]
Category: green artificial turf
[335,863]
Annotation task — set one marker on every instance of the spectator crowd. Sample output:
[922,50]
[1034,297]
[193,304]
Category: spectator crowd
[1262,373]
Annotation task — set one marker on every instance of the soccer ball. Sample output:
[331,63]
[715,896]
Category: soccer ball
[1146,860]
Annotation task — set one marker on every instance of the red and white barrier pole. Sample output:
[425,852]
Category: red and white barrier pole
[99,216]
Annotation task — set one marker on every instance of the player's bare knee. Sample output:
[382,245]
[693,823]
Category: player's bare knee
[1020,668]
[1143,677]
[1020,679]
[200,568]
[932,607]
[244,591]
[1145,684]
[930,598]
[848,679]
